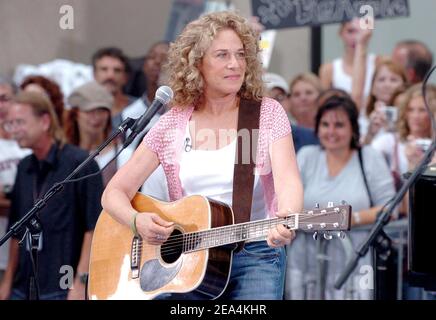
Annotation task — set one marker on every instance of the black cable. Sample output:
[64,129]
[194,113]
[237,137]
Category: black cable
[91,174]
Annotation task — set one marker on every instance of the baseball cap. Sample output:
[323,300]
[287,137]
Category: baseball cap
[90,96]
[273,80]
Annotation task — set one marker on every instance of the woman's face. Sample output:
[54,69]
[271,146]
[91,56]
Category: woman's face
[335,131]
[385,83]
[223,65]
[349,33]
[303,97]
[94,121]
[417,118]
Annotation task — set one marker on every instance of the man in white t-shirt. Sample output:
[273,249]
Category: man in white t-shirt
[10,155]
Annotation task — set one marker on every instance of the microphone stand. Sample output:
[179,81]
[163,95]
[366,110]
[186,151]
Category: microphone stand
[376,238]
[31,221]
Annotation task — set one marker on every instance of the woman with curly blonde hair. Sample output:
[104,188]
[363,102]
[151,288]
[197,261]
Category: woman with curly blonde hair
[405,148]
[185,57]
[216,75]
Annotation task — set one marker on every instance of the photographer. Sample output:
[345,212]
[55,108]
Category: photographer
[404,149]
[388,77]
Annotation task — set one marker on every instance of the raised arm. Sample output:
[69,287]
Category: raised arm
[359,68]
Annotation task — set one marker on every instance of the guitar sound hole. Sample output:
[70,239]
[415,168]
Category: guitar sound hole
[172,248]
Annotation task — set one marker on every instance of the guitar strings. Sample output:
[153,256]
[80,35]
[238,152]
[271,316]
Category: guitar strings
[195,241]
[229,230]
[168,250]
[254,224]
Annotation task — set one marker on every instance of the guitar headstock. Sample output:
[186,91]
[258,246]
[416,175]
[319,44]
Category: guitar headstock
[325,220]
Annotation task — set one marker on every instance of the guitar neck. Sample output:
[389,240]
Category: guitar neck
[254,230]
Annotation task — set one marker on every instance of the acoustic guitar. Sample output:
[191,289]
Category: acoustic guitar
[196,258]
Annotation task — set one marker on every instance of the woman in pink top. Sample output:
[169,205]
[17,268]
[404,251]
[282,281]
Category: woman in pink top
[212,65]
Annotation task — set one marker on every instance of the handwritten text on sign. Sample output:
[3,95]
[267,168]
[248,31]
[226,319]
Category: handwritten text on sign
[277,14]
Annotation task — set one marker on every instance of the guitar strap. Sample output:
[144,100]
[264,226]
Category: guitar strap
[243,175]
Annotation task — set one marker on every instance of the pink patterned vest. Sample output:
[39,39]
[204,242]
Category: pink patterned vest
[166,139]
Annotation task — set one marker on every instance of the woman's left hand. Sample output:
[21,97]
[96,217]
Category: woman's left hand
[280,235]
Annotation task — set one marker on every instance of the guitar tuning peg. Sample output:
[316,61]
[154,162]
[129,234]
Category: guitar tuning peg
[317,205]
[328,236]
[315,235]
[341,234]
[330,204]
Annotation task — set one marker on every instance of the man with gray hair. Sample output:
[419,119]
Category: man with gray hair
[7,91]
[10,155]
[67,220]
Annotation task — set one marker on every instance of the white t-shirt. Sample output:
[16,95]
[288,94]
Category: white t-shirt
[156,183]
[210,173]
[135,110]
[341,80]
[10,155]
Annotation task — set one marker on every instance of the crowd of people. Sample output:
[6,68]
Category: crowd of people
[348,133]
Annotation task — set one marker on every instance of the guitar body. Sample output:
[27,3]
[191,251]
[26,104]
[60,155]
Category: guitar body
[115,252]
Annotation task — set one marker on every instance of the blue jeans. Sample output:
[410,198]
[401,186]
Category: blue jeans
[18,295]
[258,273]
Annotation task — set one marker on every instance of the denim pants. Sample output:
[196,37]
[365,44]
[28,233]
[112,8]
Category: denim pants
[18,295]
[258,273]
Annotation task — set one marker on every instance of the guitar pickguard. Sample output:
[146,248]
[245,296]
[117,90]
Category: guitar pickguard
[155,276]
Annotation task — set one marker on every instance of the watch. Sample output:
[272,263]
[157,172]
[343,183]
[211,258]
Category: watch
[83,277]
[357,218]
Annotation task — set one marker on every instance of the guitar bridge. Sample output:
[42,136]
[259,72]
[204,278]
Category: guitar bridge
[135,256]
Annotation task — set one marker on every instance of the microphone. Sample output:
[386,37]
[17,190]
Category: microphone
[188,146]
[163,95]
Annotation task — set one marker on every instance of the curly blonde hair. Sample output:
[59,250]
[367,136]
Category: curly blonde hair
[413,92]
[186,53]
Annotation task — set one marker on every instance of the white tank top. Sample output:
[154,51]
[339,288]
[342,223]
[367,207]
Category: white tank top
[210,173]
[341,80]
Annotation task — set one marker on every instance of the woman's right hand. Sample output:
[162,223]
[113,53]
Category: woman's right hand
[152,228]
[364,36]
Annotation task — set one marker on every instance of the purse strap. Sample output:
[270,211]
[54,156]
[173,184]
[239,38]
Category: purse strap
[243,175]
[371,202]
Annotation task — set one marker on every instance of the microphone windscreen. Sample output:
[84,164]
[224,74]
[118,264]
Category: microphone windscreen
[164,94]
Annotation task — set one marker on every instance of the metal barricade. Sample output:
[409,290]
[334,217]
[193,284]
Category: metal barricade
[397,231]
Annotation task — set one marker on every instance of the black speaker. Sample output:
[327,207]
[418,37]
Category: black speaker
[422,230]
